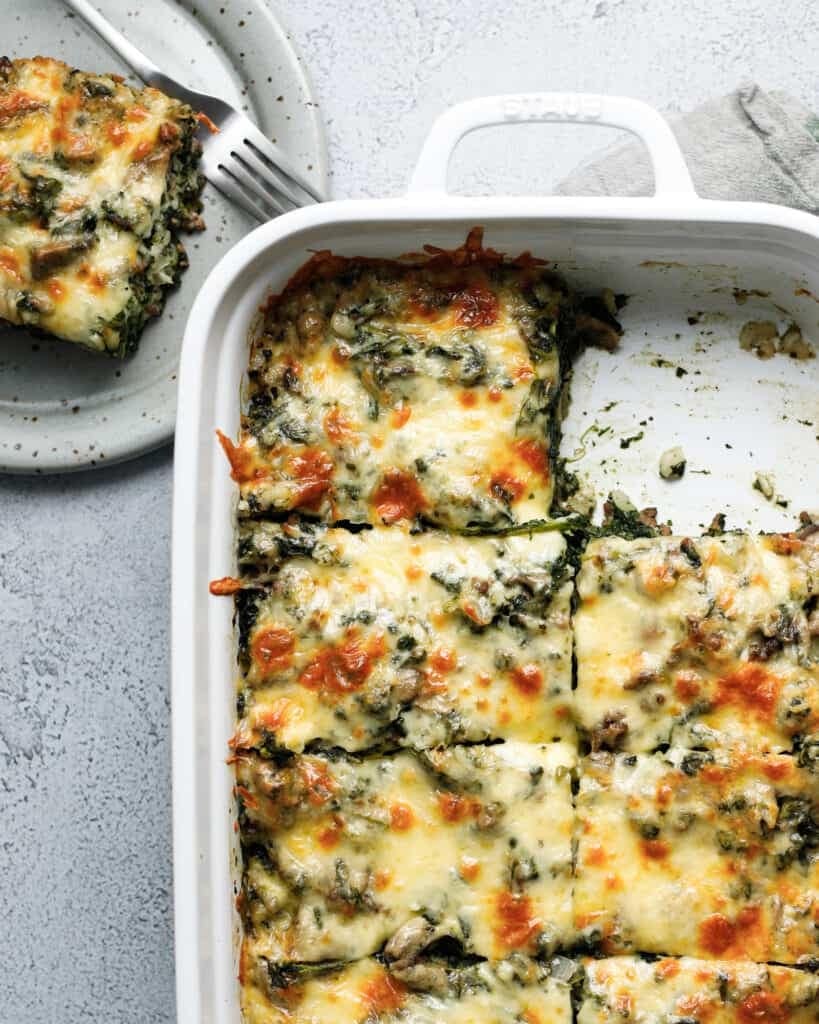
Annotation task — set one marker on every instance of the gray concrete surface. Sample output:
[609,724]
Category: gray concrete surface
[85,853]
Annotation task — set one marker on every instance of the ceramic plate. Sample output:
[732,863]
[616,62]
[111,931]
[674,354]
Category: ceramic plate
[62,408]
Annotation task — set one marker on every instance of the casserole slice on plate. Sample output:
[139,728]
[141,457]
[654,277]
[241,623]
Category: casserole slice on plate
[96,181]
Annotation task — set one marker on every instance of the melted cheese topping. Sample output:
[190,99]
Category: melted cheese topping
[474,839]
[716,992]
[509,992]
[386,393]
[701,642]
[79,155]
[698,853]
[425,639]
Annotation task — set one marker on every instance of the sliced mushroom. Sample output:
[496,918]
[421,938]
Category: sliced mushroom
[48,258]
[609,732]
[408,942]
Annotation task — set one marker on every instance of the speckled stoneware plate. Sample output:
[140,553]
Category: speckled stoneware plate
[62,408]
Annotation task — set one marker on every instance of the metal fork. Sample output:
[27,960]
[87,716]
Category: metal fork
[245,166]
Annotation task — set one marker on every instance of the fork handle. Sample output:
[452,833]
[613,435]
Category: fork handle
[136,60]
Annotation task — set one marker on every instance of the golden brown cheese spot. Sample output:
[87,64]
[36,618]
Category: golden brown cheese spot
[9,263]
[516,924]
[55,290]
[687,685]
[528,679]
[763,1008]
[716,934]
[317,780]
[443,660]
[505,486]
[469,868]
[658,579]
[337,427]
[330,836]
[272,649]
[668,968]
[743,937]
[342,668]
[401,817]
[277,715]
[523,372]
[136,113]
[398,496]
[142,150]
[313,468]
[534,455]
[785,544]
[468,399]
[475,306]
[775,768]
[751,687]
[117,133]
[381,995]
[455,807]
[698,1006]
[655,849]
[400,415]
[595,855]
[18,103]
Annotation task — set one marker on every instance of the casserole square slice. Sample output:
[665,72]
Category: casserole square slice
[344,854]
[96,181]
[379,391]
[426,992]
[702,642]
[382,636]
[717,991]
[699,853]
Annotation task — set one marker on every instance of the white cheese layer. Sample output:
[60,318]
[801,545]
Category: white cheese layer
[701,642]
[716,991]
[468,842]
[699,853]
[425,638]
[509,992]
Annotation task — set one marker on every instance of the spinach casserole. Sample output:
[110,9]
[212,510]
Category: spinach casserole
[494,764]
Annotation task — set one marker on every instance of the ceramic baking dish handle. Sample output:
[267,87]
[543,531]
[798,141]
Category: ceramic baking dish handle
[671,175]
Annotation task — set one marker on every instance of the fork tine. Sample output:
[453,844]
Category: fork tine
[261,168]
[239,170]
[225,183]
[280,163]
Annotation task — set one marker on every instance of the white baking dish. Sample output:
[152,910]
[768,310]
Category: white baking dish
[676,255]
